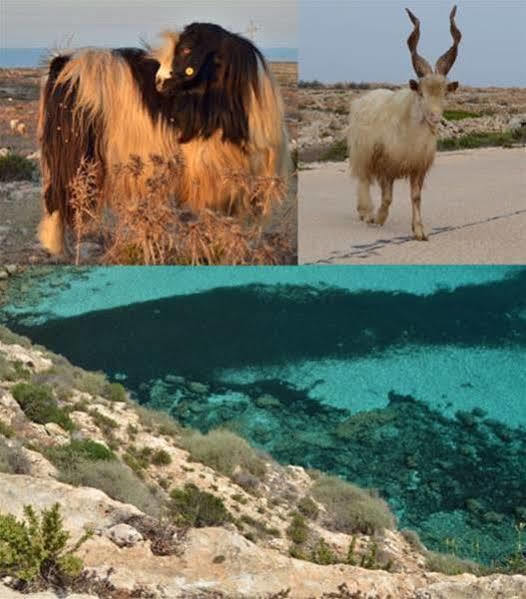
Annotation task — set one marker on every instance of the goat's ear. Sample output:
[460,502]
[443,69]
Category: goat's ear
[414,85]
[451,87]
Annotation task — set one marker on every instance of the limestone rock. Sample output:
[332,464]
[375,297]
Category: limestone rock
[7,593]
[80,506]
[124,535]
[28,356]
[497,586]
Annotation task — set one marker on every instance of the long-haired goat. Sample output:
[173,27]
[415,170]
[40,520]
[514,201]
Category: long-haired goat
[206,96]
[392,135]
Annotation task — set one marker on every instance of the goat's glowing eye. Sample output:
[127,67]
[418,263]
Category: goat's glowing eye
[189,71]
[186,51]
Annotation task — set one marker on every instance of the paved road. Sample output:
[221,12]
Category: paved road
[473,208]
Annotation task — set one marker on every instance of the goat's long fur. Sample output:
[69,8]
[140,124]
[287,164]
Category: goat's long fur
[388,137]
[102,106]
[392,135]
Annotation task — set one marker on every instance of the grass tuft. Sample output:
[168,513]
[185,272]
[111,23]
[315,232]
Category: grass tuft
[16,168]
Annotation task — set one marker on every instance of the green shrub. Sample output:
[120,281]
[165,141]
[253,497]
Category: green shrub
[322,554]
[115,392]
[65,456]
[6,430]
[135,464]
[63,377]
[116,480]
[350,508]
[13,459]
[224,451]
[308,507]
[16,168]
[13,371]
[298,531]
[10,338]
[39,405]
[193,507]
[161,458]
[34,549]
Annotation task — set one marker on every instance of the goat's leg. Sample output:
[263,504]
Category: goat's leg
[387,198]
[365,204]
[416,191]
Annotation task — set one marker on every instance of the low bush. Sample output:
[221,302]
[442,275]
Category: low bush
[115,479]
[351,509]
[13,459]
[16,168]
[450,564]
[39,405]
[34,549]
[115,392]
[225,452]
[6,430]
[104,423]
[10,338]
[322,554]
[64,377]
[66,456]
[308,507]
[298,531]
[161,422]
[13,371]
[192,507]
[161,458]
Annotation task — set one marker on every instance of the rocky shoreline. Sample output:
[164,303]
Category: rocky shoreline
[247,556]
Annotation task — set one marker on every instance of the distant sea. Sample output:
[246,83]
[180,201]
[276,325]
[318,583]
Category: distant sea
[32,57]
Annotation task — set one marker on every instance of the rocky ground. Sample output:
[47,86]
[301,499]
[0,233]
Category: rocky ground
[20,200]
[324,113]
[139,548]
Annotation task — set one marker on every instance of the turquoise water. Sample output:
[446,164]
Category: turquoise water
[410,380]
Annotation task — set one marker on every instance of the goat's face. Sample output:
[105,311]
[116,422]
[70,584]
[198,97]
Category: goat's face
[432,86]
[197,59]
[432,91]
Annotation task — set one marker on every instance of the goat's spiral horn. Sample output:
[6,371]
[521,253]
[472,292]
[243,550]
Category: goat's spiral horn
[446,61]
[421,66]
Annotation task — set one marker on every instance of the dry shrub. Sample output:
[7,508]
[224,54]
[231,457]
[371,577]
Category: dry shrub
[225,452]
[145,223]
[116,480]
[351,509]
[13,460]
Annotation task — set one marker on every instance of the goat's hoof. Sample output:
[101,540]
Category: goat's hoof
[380,220]
[421,236]
[367,217]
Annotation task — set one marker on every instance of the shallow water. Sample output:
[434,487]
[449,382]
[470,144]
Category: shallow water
[407,379]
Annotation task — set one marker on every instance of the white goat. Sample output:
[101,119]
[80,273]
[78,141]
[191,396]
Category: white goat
[13,123]
[392,135]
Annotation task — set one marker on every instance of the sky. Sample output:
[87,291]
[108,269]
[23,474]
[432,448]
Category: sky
[49,23]
[365,40]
